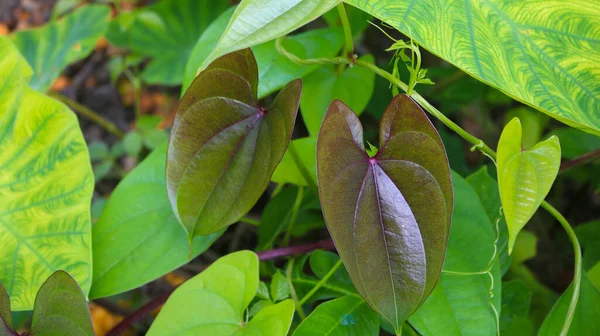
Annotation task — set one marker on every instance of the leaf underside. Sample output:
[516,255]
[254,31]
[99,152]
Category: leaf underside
[399,203]
[219,125]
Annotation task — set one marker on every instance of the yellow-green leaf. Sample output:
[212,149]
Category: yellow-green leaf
[524,177]
[542,53]
[46,185]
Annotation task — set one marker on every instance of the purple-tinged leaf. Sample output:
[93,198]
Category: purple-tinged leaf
[6,323]
[224,147]
[389,215]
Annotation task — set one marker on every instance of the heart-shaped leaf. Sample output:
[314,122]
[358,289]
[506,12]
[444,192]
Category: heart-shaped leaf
[46,186]
[213,303]
[389,215]
[524,177]
[61,308]
[224,147]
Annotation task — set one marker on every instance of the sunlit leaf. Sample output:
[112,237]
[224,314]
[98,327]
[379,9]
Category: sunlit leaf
[46,185]
[345,316]
[279,287]
[61,308]
[524,177]
[166,31]
[353,86]
[258,21]
[50,48]
[544,54]
[213,303]
[389,215]
[138,238]
[218,125]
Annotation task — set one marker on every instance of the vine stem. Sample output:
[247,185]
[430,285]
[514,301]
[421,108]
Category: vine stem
[577,277]
[156,302]
[88,113]
[476,142]
[348,39]
[293,215]
[320,283]
[288,276]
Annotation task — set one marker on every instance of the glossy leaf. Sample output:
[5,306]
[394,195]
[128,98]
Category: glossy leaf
[585,320]
[46,185]
[487,190]
[166,31]
[398,204]
[461,304]
[346,316]
[219,125]
[524,177]
[529,50]
[516,300]
[279,287]
[6,321]
[50,48]
[138,238]
[288,172]
[353,86]
[274,70]
[258,21]
[213,303]
[61,308]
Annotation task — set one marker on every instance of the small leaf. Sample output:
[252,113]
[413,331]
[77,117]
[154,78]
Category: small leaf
[258,306]
[61,308]
[46,186]
[6,322]
[263,291]
[398,204]
[50,48]
[279,287]
[340,317]
[213,303]
[255,22]
[524,177]
[132,143]
[354,86]
[137,237]
[218,125]
[585,320]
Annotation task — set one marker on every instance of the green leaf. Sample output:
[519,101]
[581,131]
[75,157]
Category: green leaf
[487,190]
[6,321]
[61,308]
[279,287]
[345,316]
[49,49]
[461,304]
[528,50]
[166,31]
[398,203]
[98,150]
[258,21]
[516,300]
[524,177]
[46,186]
[533,124]
[213,303]
[338,285]
[585,320]
[588,235]
[219,125]
[288,172]
[138,238]
[353,86]
[574,143]
[275,217]
[359,20]
[263,292]
[132,143]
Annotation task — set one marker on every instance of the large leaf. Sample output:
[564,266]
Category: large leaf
[258,21]
[274,70]
[61,308]
[585,320]
[353,86]
[544,54]
[46,185]
[166,31]
[516,300]
[461,304]
[224,147]
[346,316]
[399,203]
[137,238]
[51,48]
[524,177]
[213,303]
